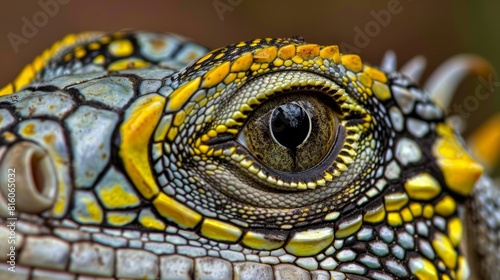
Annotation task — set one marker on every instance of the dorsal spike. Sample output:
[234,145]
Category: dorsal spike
[443,82]
[414,68]
[389,62]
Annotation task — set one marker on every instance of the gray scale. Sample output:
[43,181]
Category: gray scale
[352,268]
[163,49]
[270,260]
[148,86]
[365,234]
[212,252]
[162,180]
[370,261]
[6,119]
[278,252]
[307,263]
[288,271]
[126,260]
[320,257]
[113,241]
[426,248]
[338,244]
[88,228]
[191,251]
[131,234]
[396,268]
[159,166]
[62,82]
[428,111]
[405,240]
[239,248]
[169,190]
[91,131]
[87,68]
[345,255]
[71,234]
[189,52]
[194,236]
[408,151]
[137,244]
[330,251]
[329,264]
[379,276]
[261,253]
[43,274]
[404,98]
[439,222]
[159,248]
[286,258]
[153,73]
[417,128]
[396,118]
[401,80]
[232,256]
[51,104]
[176,266]
[410,229]
[35,252]
[386,234]
[166,91]
[388,155]
[25,228]
[249,271]
[115,92]
[422,229]
[159,237]
[392,170]
[12,99]
[398,251]
[318,275]
[378,248]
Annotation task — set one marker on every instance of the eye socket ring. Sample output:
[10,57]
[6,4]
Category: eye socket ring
[228,137]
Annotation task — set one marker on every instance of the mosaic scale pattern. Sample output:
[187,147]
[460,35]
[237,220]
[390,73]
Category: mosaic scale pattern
[145,156]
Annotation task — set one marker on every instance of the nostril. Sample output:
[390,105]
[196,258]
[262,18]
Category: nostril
[39,170]
[35,181]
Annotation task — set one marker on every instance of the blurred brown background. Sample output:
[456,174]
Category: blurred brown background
[436,29]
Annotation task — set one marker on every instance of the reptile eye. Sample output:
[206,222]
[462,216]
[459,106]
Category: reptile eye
[290,125]
[291,133]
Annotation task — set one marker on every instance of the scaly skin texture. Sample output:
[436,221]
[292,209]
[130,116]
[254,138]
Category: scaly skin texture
[125,160]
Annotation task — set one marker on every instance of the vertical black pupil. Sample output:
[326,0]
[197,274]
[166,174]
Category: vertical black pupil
[290,125]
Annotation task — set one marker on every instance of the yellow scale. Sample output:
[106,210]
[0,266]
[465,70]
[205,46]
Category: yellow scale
[143,117]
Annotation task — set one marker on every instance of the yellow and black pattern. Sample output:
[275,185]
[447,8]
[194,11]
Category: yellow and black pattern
[267,159]
[94,52]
